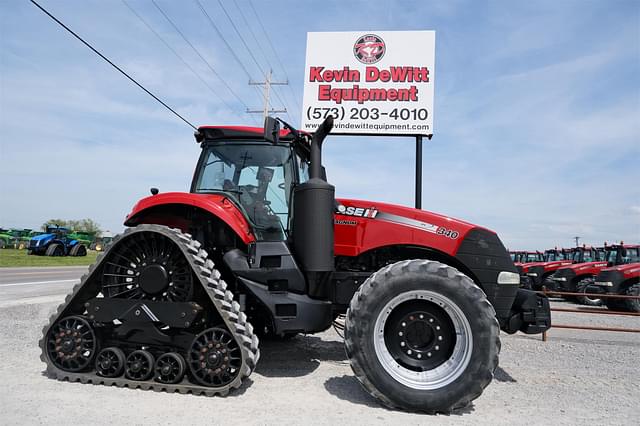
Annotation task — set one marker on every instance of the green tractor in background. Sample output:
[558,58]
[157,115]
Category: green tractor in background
[83,237]
[22,237]
[7,240]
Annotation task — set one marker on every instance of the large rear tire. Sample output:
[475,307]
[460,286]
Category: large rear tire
[421,336]
[633,305]
[582,287]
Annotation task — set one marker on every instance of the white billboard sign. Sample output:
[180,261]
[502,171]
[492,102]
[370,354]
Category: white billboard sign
[371,82]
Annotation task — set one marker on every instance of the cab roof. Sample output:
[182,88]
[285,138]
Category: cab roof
[212,133]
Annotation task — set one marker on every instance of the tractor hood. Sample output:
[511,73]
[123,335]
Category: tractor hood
[628,268]
[361,225]
[42,237]
[546,266]
[586,267]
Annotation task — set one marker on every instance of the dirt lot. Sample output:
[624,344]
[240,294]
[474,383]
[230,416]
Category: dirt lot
[576,377]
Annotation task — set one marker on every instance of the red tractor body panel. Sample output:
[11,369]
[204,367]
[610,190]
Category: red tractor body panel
[628,270]
[548,266]
[586,268]
[359,225]
[215,204]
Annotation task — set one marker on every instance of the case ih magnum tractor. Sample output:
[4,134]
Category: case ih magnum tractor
[535,275]
[578,277]
[623,279]
[260,245]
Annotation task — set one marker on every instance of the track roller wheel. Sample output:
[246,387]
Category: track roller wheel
[170,368]
[110,362]
[214,357]
[139,365]
[71,344]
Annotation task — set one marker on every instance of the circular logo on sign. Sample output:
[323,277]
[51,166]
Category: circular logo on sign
[369,49]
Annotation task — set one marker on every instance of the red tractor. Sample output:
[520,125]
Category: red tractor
[538,274]
[260,245]
[577,277]
[623,279]
[525,257]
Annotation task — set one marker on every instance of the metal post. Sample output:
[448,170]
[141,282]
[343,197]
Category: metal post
[419,172]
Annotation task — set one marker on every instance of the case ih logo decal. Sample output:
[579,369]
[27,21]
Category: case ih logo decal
[369,49]
[357,211]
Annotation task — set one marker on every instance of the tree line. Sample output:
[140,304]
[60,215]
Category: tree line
[84,225]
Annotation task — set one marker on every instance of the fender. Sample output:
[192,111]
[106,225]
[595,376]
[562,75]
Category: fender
[216,204]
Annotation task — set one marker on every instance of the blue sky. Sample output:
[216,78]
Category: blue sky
[537,109]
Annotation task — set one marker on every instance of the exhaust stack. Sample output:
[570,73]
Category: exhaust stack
[312,227]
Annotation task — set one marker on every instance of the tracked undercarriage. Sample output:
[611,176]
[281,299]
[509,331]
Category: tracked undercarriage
[152,313]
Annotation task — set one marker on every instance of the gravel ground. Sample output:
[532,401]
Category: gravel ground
[576,377]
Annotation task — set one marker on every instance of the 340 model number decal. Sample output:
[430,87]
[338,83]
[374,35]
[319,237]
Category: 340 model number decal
[448,232]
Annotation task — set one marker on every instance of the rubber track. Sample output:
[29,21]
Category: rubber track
[222,299]
[398,268]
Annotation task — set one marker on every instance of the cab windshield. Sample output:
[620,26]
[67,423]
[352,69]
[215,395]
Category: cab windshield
[258,176]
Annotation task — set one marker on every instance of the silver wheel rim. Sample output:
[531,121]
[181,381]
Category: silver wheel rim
[445,373]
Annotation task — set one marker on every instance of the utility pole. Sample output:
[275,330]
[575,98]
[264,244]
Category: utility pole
[266,110]
[577,241]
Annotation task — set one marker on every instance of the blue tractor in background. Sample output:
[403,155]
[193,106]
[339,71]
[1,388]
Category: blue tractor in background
[55,242]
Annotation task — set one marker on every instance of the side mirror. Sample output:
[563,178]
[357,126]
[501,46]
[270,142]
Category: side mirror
[271,129]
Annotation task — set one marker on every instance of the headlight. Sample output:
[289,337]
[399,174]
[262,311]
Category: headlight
[505,277]
[532,274]
[604,283]
[563,279]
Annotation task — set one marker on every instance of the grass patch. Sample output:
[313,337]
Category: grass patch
[13,257]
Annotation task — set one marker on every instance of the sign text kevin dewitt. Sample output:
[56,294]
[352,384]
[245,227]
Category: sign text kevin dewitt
[370,82]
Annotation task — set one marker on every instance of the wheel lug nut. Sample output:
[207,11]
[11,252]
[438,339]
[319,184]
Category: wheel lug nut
[421,316]
[439,337]
[400,333]
[437,327]
[437,348]
[409,352]
[430,319]
[404,324]
[419,356]
[402,344]
[429,354]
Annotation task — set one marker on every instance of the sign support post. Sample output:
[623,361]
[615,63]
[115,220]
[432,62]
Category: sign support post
[418,199]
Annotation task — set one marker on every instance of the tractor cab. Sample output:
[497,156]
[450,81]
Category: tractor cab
[620,254]
[555,255]
[586,254]
[533,256]
[257,175]
[58,231]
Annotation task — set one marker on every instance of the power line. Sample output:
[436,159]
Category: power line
[231,49]
[261,49]
[176,53]
[215,27]
[112,64]
[244,42]
[199,54]
[241,38]
[246,23]
[275,52]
